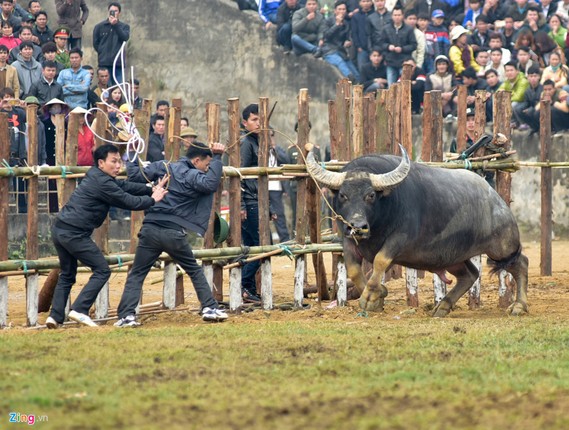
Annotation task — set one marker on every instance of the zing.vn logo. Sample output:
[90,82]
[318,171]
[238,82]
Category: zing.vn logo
[17,417]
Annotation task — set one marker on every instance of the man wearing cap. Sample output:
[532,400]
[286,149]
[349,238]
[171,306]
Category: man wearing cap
[192,182]
[108,37]
[60,38]
[443,80]
[437,40]
[75,81]
[188,136]
[47,87]
[72,14]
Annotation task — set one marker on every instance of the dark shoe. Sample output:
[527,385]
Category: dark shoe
[317,53]
[250,297]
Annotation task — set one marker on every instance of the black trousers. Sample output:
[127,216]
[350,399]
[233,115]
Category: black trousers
[276,201]
[74,245]
[152,241]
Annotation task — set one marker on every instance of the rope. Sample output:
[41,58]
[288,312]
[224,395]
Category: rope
[64,172]
[25,267]
[467,165]
[286,251]
[119,261]
[7,166]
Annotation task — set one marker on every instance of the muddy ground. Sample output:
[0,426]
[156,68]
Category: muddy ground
[546,294]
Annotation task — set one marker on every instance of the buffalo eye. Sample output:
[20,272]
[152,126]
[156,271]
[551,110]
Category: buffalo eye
[342,197]
[370,197]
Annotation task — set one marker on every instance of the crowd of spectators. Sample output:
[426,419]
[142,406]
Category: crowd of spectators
[520,46]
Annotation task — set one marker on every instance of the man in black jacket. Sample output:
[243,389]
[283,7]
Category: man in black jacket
[47,88]
[86,210]
[108,37]
[284,23]
[397,42]
[193,181]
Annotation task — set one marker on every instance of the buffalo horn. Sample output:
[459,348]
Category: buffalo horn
[326,178]
[393,178]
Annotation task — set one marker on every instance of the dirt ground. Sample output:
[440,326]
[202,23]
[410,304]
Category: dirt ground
[546,294]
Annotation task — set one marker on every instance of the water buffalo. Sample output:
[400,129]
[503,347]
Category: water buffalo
[394,211]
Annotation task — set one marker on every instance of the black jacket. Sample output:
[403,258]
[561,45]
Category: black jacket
[249,158]
[369,73]
[45,92]
[108,39]
[375,23]
[403,37]
[335,36]
[89,204]
[155,148]
[284,14]
[190,192]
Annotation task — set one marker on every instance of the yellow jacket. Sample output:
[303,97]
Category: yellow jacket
[455,55]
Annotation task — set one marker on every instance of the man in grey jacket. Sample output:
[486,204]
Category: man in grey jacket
[193,180]
[29,70]
[307,29]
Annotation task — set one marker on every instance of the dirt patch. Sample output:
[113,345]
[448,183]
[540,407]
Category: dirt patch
[545,295]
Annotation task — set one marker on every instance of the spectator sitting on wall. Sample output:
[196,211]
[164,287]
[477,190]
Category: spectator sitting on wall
[437,40]
[73,14]
[307,29]
[516,83]
[525,112]
[374,74]
[359,27]
[461,53]
[268,12]
[285,13]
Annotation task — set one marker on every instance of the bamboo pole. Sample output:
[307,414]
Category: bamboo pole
[546,189]
[32,245]
[4,210]
[233,150]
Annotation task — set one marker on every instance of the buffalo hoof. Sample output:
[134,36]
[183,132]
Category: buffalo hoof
[517,309]
[441,310]
[371,304]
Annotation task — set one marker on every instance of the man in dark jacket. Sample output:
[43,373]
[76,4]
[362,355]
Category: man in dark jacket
[108,37]
[397,42]
[73,14]
[360,38]
[86,210]
[336,39]
[284,23]
[376,22]
[193,180]
[47,87]
[156,142]
[526,112]
[249,198]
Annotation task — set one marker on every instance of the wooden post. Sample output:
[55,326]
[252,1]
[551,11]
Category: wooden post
[233,150]
[343,91]
[71,155]
[436,154]
[502,117]
[173,292]
[142,121]
[406,118]
[4,208]
[263,195]
[59,123]
[358,121]
[214,274]
[32,245]
[461,119]
[383,113]
[546,189]
[427,143]
[369,125]
[300,222]
[480,125]
[395,117]
[101,234]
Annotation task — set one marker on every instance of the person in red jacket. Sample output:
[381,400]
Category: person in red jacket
[85,140]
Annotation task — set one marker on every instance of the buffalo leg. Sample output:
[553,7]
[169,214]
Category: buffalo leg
[519,271]
[466,274]
[372,298]
[355,273]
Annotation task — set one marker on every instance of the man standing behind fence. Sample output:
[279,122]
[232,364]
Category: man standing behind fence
[86,210]
[193,180]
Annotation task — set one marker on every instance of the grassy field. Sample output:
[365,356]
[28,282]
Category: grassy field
[311,369]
